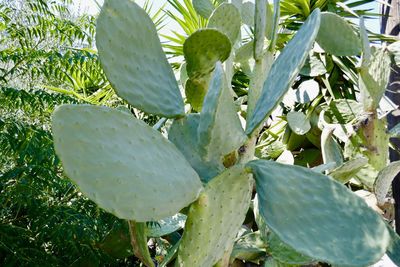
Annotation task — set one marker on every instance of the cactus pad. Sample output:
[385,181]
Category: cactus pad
[260,23]
[183,133]
[331,151]
[220,131]
[316,215]
[195,91]
[284,253]
[203,49]
[247,11]
[348,170]
[203,7]
[298,122]
[393,250]
[285,70]
[215,218]
[337,37]
[225,18]
[122,164]
[384,181]
[133,60]
[374,78]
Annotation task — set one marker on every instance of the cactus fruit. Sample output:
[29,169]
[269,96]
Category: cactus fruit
[205,168]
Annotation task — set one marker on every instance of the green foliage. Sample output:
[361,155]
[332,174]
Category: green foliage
[26,50]
[44,218]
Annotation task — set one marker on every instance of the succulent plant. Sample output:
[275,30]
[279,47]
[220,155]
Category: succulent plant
[207,163]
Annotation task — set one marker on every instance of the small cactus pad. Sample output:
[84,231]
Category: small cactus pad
[203,49]
[394,50]
[247,11]
[316,215]
[348,170]
[226,19]
[220,131]
[298,122]
[183,133]
[133,60]
[203,7]
[166,226]
[260,20]
[374,78]
[122,164]
[196,90]
[331,150]
[384,181]
[215,218]
[285,70]
[313,67]
[337,37]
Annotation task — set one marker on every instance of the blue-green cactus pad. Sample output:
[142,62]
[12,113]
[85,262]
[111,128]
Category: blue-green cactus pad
[215,218]
[220,131]
[317,216]
[375,77]
[226,18]
[331,150]
[203,7]
[133,60]
[122,164]
[348,170]
[285,70]
[183,133]
[247,11]
[337,37]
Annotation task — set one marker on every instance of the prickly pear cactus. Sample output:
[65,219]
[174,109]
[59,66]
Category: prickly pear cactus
[206,167]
